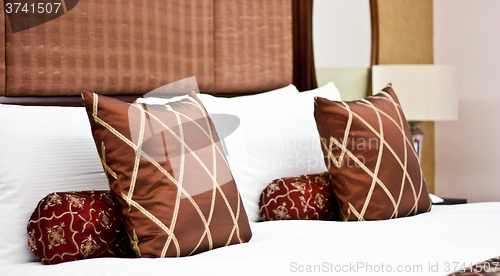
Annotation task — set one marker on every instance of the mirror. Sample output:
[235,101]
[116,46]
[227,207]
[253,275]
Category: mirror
[342,45]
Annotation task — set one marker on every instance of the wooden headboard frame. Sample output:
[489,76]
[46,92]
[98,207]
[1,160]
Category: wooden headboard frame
[374,42]
[129,48]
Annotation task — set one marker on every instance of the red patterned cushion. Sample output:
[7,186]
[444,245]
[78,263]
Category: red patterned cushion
[301,197]
[77,225]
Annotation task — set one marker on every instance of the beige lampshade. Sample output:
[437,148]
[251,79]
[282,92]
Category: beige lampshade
[426,92]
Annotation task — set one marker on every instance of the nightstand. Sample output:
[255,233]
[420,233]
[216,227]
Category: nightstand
[452,201]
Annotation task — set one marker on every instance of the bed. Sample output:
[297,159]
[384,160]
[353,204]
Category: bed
[261,132]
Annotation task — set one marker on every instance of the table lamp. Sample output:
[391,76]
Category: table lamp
[426,93]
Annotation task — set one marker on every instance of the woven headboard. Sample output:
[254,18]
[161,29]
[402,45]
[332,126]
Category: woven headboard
[131,47]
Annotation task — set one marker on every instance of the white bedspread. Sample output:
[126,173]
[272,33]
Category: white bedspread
[435,243]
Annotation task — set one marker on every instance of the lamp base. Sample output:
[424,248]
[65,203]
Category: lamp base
[417,136]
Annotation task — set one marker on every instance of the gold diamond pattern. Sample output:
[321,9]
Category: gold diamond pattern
[332,145]
[128,197]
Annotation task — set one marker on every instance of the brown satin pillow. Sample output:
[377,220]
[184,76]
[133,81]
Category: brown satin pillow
[166,165]
[368,151]
[69,226]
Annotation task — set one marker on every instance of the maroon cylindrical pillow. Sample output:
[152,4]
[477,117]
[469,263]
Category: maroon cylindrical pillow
[302,197]
[70,226]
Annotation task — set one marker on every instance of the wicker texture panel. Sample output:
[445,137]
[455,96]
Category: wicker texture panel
[113,47]
[131,47]
[253,41]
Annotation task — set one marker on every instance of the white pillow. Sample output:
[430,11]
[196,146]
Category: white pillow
[328,91]
[277,137]
[43,150]
[49,149]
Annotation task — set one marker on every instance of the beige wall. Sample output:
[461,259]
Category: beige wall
[467,35]
[406,31]
[406,37]
[351,82]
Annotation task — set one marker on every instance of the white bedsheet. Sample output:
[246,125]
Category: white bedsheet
[442,240]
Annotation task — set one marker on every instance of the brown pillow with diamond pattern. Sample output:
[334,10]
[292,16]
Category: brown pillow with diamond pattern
[167,166]
[77,225]
[368,151]
[302,197]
